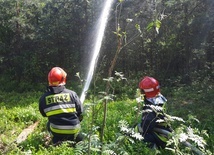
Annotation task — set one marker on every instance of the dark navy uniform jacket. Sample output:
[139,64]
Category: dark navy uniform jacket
[153,117]
[63,109]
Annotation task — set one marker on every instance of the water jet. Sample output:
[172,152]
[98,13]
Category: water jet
[101,25]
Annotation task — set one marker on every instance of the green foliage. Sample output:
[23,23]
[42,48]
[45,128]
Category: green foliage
[63,149]
[185,139]
[154,25]
[21,110]
[37,35]
[117,135]
[174,143]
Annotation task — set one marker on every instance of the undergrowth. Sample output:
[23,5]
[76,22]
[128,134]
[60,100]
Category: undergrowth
[195,107]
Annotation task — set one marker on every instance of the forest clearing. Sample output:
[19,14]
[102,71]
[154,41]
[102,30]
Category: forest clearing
[102,51]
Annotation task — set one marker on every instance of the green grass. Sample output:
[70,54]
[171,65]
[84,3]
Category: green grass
[18,111]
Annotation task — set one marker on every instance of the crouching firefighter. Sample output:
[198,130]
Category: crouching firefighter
[152,114]
[62,107]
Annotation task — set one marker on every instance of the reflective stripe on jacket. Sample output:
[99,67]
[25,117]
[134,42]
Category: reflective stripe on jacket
[65,129]
[60,109]
[63,109]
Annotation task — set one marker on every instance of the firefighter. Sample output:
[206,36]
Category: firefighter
[153,116]
[62,107]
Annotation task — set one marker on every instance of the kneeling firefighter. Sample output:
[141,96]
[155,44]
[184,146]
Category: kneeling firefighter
[62,107]
[153,115]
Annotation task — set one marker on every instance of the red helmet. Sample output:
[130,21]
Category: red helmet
[57,76]
[150,86]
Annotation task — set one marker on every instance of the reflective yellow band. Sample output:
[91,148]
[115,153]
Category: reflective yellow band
[60,111]
[60,131]
[59,106]
[65,127]
[162,137]
[164,124]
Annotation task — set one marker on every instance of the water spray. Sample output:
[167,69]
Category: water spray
[102,22]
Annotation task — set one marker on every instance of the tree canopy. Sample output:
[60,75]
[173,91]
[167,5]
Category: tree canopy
[167,39]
